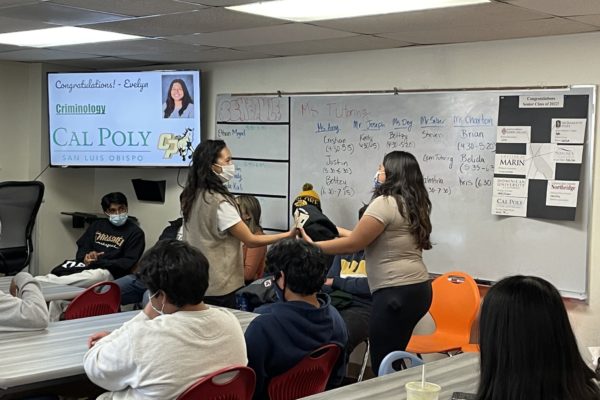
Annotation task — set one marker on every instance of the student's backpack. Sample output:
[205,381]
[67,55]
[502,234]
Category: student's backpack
[259,292]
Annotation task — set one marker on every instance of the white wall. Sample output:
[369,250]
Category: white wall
[24,155]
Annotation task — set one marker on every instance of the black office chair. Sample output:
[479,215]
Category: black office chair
[19,205]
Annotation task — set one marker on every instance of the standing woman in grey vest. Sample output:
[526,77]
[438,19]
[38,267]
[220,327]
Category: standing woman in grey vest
[213,224]
[394,231]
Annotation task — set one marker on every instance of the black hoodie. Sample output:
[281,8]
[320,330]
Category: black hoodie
[122,246]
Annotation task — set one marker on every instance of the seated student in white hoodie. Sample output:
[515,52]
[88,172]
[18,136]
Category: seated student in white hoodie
[24,309]
[175,340]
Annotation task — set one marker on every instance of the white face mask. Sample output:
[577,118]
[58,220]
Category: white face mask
[227,172]
[118,219]
[161,311]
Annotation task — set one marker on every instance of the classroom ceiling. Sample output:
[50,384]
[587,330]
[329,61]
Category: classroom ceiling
[186,31]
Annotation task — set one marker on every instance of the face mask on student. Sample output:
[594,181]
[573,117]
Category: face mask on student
[227,172]
[376,182]
[279,291]
[118,219]
[159,312]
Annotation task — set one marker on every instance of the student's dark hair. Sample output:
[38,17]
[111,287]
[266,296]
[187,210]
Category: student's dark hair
[178,269]
[404,182]
[113,198]
[361,211]
[528,349]
[185,101]
[202,177]
[302,263]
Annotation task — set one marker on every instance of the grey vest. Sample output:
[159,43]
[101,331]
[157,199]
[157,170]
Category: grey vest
[223,251]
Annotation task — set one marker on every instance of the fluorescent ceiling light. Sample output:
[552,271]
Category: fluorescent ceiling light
[62,36]
[318,10]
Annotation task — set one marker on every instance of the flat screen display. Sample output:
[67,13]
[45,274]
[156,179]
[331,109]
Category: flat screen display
[123,119]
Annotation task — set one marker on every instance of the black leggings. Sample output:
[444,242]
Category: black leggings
[396,311]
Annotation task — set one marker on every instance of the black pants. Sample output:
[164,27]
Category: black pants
[227,300]
[356,318]
[396,311]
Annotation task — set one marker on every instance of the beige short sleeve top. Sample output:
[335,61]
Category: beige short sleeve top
[393,259]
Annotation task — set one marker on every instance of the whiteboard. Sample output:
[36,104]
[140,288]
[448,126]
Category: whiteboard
[274,215]
[256,141]
[257,131]
[259,178]
[338,142]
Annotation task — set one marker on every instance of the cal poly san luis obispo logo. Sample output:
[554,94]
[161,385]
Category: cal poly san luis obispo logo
[180,144]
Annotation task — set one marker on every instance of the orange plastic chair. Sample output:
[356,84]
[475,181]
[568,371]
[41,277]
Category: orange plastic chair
[455,304]
[99,299]
[470,348]
[308,377]
[231,383]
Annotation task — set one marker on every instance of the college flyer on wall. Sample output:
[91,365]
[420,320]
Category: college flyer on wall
[537,165]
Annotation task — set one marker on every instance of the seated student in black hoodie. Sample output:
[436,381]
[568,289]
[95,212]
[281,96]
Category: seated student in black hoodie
[317,225]
[349,291]
[107,250]
[301,322]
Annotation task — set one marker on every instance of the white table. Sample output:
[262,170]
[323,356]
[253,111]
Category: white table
[51,291]
[454,374]
[29,358]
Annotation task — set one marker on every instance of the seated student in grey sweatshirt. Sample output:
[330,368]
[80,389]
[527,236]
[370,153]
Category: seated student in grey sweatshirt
[175,340]
[24,309]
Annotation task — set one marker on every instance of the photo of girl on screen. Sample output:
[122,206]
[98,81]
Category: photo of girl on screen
[178,101]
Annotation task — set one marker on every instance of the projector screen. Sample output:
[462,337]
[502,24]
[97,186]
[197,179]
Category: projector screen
[123,119]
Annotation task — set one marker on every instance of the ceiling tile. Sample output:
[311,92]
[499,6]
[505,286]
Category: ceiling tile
[203,56]
[545,27]
[57,14]
[221,3]
[8,47]
[103,63]
[588,19]
[481,15]
[263,35]
[354,43]
[560,7]
[41,55]
[136,8]
[206,20]
[9,3]
[12,25]
[130,47]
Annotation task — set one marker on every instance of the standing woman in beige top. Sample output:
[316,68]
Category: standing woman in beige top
[212,222]
[394,231]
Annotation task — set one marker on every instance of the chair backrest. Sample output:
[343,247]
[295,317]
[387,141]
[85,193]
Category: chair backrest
[386,366]
[231,383]
[99,299]
[455,303]
[308,377]
[19,205]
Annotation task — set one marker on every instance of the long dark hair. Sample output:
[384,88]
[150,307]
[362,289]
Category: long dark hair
[404,182]
[201,176]
[528,349]
[186,101]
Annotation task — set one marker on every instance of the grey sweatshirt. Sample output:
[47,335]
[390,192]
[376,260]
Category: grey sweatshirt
[27,311]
